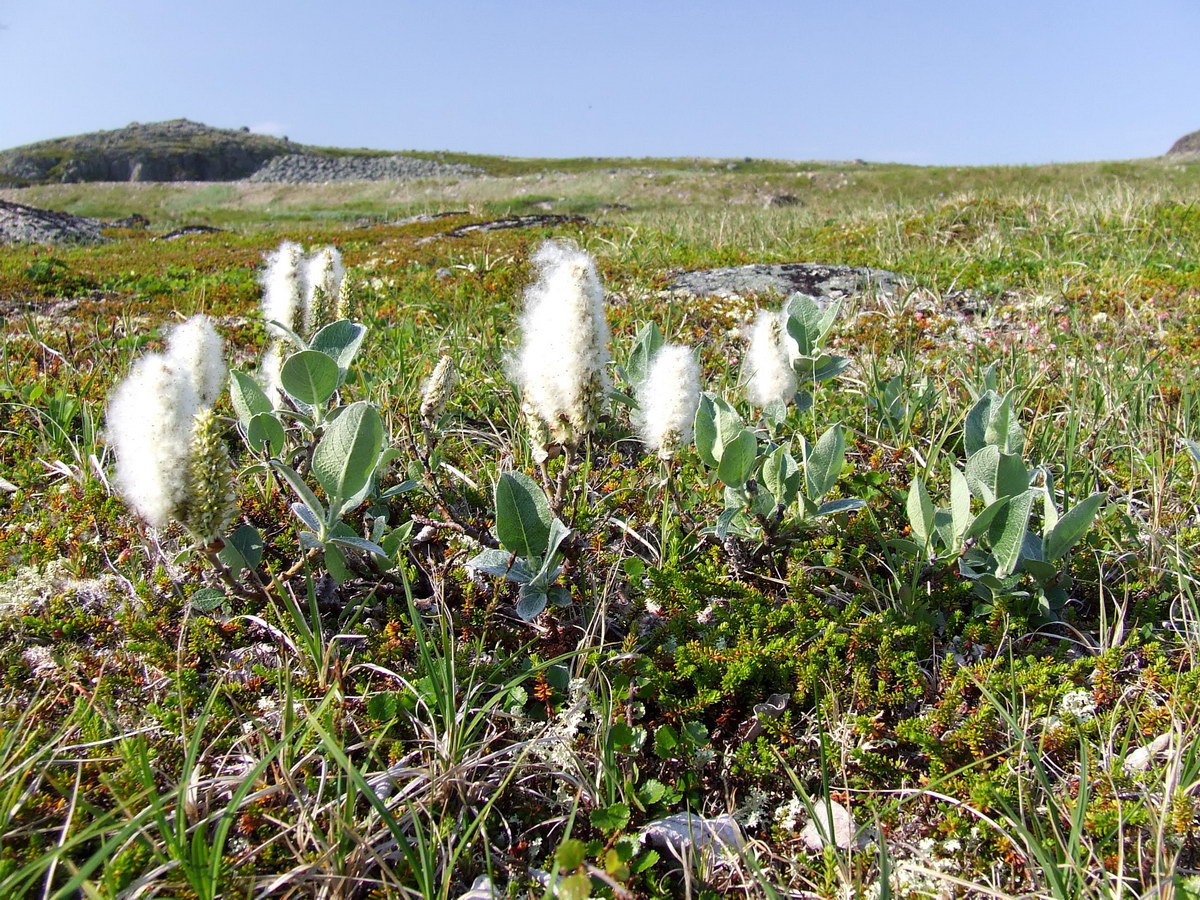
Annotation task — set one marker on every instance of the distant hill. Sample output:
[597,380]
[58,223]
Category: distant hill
[1188,145]
[178,150]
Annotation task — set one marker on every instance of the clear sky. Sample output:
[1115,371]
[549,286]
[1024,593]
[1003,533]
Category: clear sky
[964,82]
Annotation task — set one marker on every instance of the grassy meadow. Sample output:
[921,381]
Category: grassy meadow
[370,728]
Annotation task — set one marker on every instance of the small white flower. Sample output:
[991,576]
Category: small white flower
[668,399]
[560,364]
[282,287]
[769,376]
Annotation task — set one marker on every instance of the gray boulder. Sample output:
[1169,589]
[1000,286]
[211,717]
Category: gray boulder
[785,279]
[21,224]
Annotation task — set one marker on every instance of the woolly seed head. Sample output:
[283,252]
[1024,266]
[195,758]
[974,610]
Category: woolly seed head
[323,274]
[668,400]
[150,417]
[196,350]
[437,390]
[769,375]
[560,364]
[210,503]
[282,287]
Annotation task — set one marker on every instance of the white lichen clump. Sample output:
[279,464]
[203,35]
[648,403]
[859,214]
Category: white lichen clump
[560,364]
[769,376]
[667,400]
[170,462]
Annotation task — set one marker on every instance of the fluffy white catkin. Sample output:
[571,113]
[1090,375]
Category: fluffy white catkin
[150,418]
[196,349]
[560,364]
[769,375]
[282,286]
[668,399]
[323,274]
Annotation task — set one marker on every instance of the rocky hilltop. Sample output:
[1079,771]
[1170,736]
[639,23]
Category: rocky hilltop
[1188,145]
[181,150]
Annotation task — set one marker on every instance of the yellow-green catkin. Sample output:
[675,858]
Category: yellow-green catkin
[345,308]
[438,390]
[540,439]
[211,501]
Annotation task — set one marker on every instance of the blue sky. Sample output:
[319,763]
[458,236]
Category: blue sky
[922,82]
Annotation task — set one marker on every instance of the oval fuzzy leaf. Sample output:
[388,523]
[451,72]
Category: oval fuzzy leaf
[310,376]
[340,341]
[960,502]
[247,397]
[1008,533]
[737,459]
[206,599]
[530,602]
[523,515]
[781,476]
[823,463]
[346,456]
[1071,527]
[846,504]
[243,549]
[264,434]
[705,431]
[920,512]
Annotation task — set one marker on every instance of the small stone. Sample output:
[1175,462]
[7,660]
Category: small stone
[1139,760]
[845,833]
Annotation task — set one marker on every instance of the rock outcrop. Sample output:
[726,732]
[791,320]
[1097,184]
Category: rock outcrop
[20,224]
[814,279]
[181,150]
[1188,145]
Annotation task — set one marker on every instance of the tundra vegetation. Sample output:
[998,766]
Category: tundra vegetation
[345,560]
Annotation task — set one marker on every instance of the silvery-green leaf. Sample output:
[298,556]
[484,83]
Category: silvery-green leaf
[648,342]
[981,473]
[846,504]
[247,398]
[729,426]
[530,602]
[559,595]
[1003,428]
[264,434]
[306,515]
[501,564]
[310,376]
[705,431]
[1072,527]
[360,544]
[243,549]
[984,520]
[920,512]
[397,489]
[1007,533]
[738,458]
[1012,478]
[523,516]
[346,457]
[339,341]
[206,599]
[303,491]
[804,322]
[823,463]
[960,503]
[335,564]
[830,366]
[309,541]
[781,475]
